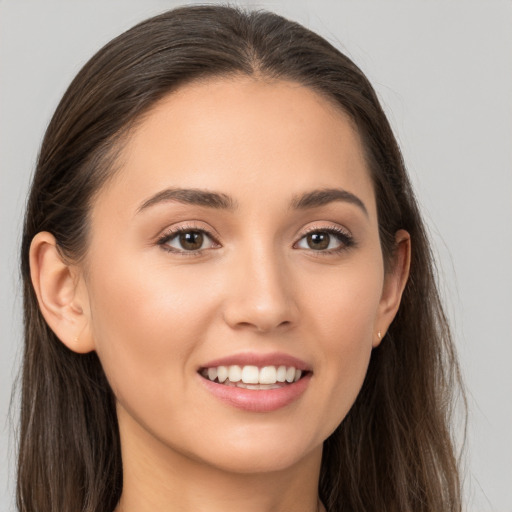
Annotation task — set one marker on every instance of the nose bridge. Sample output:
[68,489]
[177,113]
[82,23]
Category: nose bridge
[261,293]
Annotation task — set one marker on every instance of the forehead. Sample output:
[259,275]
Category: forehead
[245,137]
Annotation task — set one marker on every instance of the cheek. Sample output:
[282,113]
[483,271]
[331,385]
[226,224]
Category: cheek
[344,304]
[344,319]
[146,324]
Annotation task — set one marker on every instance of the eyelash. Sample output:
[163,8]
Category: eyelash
[345,238]
[174,232]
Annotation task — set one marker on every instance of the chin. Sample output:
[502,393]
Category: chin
[257,459]
[262,450]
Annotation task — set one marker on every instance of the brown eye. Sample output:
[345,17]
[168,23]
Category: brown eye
[188,240]
[327,241]
[318,241]
[191,240]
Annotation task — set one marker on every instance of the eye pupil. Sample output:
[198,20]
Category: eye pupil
[318,241]
[191,240]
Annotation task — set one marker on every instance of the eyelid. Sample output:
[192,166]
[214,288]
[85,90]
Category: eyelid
[173,231]
[343,234]
[331,227]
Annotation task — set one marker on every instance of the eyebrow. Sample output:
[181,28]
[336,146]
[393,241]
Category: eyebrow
[324,196]
[219,200]
[193,196]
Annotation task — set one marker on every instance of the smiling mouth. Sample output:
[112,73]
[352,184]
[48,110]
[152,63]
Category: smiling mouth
[253,377]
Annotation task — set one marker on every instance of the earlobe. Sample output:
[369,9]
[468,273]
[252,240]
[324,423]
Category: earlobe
[394,285]
[63,303]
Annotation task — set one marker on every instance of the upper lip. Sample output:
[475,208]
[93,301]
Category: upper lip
[259,360]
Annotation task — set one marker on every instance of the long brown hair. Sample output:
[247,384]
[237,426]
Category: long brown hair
[393,451]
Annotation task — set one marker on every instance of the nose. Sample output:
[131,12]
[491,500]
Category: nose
[260,295]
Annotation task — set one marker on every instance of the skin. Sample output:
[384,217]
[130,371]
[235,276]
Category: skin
[154,316]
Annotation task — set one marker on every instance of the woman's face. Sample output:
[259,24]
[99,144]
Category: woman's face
[239,231]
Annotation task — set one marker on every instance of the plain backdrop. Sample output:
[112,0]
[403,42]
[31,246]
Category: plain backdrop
[443,70]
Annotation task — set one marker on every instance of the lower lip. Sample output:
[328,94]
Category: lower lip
[258,400]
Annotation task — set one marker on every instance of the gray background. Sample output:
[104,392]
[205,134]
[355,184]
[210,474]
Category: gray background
[443,70]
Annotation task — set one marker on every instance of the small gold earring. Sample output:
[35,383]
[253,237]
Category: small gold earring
[379,334]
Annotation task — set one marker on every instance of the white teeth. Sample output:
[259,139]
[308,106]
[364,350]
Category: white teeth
[212,373]
[268,375]
[281,374]
[235,373]
[251,377]
[222,373]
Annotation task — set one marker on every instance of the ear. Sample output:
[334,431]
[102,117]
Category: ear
[394,285]
[61,294]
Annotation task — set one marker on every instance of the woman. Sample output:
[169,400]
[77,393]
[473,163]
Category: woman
[229,294]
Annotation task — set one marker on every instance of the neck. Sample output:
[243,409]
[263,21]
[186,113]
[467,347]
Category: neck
[160,479]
